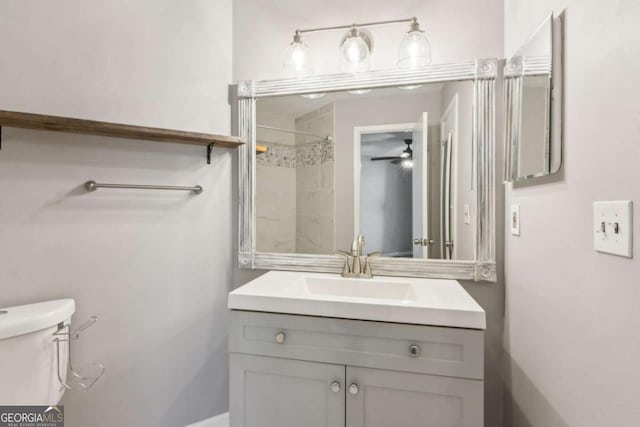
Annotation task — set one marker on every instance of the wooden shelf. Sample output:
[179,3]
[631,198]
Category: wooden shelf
[116,130]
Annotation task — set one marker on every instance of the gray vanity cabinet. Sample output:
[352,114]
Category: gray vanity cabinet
[294,371]
[267,391]
[380,398]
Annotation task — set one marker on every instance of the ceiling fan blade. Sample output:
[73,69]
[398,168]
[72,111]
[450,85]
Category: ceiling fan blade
[374,159]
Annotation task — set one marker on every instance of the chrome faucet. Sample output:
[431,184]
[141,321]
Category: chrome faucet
[357,269]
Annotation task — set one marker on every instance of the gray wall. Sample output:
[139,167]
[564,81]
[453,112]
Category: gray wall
[385,199]
[571,334]
[155,267]
[262,30]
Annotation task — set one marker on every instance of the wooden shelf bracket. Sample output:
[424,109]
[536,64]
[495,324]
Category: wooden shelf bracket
[209,150]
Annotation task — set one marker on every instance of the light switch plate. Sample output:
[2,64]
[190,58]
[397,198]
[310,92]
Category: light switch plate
[613,227]
[515,220]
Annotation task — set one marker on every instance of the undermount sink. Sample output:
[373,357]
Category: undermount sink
[353,288]
[438,302]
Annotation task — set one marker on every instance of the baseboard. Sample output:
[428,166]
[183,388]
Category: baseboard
[221,420]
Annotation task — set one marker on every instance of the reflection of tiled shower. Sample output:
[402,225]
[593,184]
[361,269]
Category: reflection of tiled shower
[314,177]
[276,187]
[294,182]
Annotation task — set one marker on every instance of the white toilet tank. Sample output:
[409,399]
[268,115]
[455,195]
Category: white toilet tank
[28,359]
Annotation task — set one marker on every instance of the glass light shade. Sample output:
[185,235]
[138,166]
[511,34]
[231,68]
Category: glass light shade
[354,54]
[415,50]
[297,61]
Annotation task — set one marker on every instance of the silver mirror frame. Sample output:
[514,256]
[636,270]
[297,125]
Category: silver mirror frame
[482,72]
[515,69]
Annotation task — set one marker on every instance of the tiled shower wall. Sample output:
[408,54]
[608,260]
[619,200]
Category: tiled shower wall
[294,182]
[315,217]
[276,186]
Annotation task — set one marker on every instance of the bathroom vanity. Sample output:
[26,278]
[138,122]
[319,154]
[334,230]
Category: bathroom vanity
[406,158]
[315,349]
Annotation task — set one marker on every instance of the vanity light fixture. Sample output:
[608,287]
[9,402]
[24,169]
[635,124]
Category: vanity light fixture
[298,58]
[355,51]
[415,49]
[356,47]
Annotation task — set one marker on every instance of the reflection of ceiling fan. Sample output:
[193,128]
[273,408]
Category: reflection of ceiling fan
[405,158]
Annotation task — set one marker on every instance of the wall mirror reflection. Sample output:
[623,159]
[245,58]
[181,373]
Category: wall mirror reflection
[394,164]
[532,103]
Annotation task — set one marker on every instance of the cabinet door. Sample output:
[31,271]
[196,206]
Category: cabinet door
[378,398]
[271,392]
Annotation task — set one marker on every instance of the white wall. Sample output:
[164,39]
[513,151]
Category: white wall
[155,267]
[463,157]
[459,30]
[572,314]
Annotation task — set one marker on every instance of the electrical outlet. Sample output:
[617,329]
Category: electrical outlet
[613,227]
[467,214]
[515,220]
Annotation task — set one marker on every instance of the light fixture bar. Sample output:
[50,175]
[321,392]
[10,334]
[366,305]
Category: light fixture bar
[362,25]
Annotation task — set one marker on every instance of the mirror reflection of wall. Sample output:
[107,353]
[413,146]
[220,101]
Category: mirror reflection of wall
[394,164]
[533,153]
[533,133]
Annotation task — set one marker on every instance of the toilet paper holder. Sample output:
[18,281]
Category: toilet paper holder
[80,379]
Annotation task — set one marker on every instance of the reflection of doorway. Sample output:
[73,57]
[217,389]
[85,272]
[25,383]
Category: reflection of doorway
[383,193]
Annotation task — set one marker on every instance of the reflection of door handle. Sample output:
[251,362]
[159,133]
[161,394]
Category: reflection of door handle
[423,242]
[448,244]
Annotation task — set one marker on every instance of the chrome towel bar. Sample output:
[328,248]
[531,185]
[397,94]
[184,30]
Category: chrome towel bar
[93,186]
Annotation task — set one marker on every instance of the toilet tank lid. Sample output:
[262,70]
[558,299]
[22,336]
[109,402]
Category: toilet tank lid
[24,319]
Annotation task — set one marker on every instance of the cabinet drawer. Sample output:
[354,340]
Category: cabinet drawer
[391,346]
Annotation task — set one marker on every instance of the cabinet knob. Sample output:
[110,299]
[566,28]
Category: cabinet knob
[335,387]
[280,337]
[414,350]
[354,389]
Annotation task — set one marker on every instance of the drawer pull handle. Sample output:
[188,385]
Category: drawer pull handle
[354,389]
[414,350]
[280,337]
[335,387]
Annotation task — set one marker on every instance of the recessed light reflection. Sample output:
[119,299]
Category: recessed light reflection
[359,91]
[313,95]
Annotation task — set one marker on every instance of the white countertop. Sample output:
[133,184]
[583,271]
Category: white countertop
[437,302]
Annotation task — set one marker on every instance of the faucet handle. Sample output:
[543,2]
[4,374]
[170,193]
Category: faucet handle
[346,255]
[367,267]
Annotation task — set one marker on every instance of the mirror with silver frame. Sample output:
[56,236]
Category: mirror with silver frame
[533,78]
[404,158]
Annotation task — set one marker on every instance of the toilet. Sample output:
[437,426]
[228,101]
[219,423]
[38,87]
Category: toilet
[29,373]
